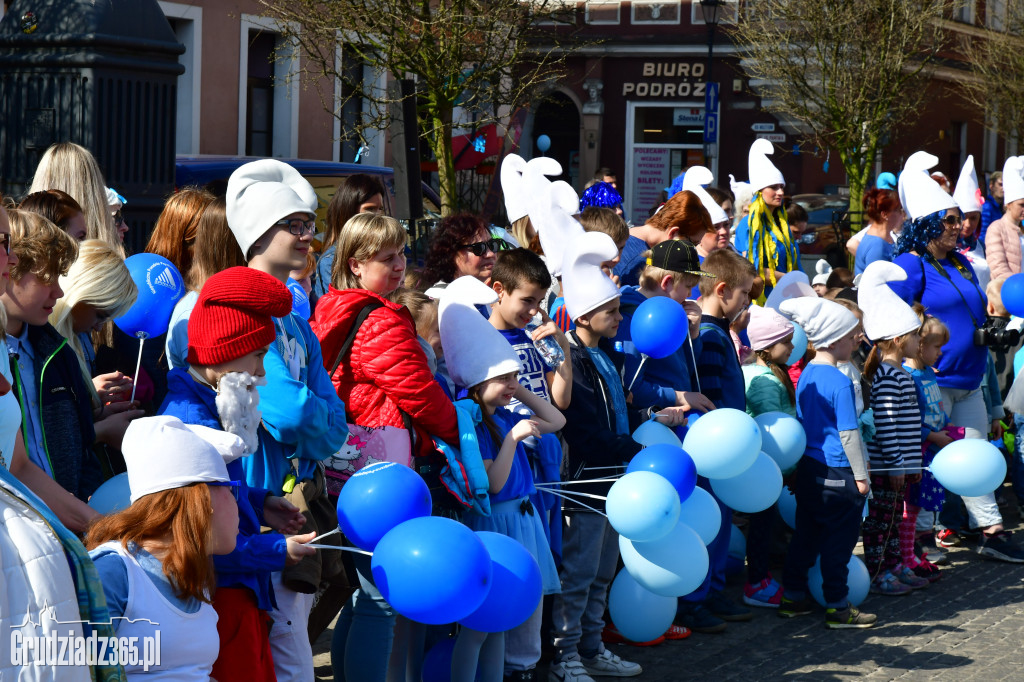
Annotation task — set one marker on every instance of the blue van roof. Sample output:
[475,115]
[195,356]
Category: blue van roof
[204,168]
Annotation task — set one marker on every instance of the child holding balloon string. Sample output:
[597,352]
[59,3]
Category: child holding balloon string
[485,364]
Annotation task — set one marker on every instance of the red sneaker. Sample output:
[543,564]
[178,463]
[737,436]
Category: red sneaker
[611,635]
[678,632]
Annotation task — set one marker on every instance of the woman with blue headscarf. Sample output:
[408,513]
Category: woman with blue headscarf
[944,282]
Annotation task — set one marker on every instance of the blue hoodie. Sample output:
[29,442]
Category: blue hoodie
[660,378]
[302,413]
[256,555]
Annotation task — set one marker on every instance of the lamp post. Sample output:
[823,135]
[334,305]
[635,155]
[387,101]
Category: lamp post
[709,9]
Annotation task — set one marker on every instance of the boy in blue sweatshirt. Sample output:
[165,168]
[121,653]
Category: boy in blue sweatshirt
[723,298]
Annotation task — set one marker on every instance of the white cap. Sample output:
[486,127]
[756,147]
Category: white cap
[886,315]
[966,193]
[823,270]
[584,284]
[1013,179]
[162,453]
[473,350]
[552,206]
[513,188]
[792,285]
[741,191]
[919,194]
[824,321]
[760,169]
[262,192]
[694,180]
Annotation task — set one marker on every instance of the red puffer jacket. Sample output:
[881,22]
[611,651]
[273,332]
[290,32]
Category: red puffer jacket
[386,369]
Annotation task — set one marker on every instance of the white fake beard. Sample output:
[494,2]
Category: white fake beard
[238,406]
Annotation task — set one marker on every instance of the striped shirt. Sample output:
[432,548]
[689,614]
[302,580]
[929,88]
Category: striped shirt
[897,421]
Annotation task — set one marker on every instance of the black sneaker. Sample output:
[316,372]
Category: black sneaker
[698,618]
[726,609]
[522,676]
[998,546]
[848,618]
[790,608]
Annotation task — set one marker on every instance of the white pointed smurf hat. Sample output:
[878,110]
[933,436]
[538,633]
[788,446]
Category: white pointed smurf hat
[694,180]
[886,315]
[512,186]
[966,194]
[761,170]
[824,321]
[919,194]
[822,270]
[551,208]
[792,285]
[473,350]
[1013,179]
[262,192]
[585,286]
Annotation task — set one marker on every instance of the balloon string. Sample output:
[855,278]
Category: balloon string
[576,482]
[573,492]
[344,549]
[693,357]
[617,466]
[575,501]
[915,470]
[336,530]
[636,374]
[138,364]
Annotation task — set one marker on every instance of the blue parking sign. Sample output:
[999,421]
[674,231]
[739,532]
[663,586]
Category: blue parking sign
[711,114]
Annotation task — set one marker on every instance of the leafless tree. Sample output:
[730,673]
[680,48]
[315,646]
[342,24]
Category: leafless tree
[997,60]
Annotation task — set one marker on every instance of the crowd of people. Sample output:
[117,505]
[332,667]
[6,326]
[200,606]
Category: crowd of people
[509,353]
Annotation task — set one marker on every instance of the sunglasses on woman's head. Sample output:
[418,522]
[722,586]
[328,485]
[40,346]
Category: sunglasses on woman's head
[480,248]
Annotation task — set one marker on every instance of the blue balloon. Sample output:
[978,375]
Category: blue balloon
[543,143]
[643,506]
[787,507]
[672,566]
[799,344]
[300,300]
[516,586]
[378,498]
[754,490]
[736,561]
[432,570]
[113,496]
[858,581]
[160,288]
[1013,294]
[701,512]
[658,327]
[639,614]
[971,467]
[782,438]
[723,443]
[670,461]
[654,433]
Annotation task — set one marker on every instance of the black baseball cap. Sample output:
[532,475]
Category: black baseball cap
[677,255]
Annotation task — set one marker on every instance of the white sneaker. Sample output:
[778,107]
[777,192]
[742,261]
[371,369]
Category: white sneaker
[570,670]
[608,664]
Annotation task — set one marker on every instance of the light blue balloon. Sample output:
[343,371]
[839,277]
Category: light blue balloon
[737,543]
[543,143]
[639,614]
[858,581]
[672,566]
[701,512]
[971,467]
[643,506]
[787,507]
[799,344]
[782,438]
[723,443]
[655,433]
[113,496]
[754,490]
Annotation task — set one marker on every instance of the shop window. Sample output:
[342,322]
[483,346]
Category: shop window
[602,11]
[647,12]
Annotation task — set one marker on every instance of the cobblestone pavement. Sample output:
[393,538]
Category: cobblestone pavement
[967,626]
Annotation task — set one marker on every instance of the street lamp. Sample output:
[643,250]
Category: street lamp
[709,9]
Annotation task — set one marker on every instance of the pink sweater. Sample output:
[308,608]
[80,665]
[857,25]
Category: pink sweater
[1002,248]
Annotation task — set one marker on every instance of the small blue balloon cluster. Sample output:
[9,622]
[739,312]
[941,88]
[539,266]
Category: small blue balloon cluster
[601,195]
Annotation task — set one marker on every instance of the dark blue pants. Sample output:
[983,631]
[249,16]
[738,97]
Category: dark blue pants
[828,515]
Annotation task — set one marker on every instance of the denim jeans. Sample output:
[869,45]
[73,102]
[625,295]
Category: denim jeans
[361,645]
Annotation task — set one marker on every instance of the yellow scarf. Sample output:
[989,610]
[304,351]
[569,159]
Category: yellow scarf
[762,250]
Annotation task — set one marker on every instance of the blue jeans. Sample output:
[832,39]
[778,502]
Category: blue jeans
[361,645]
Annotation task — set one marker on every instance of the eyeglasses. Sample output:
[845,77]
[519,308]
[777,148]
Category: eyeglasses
[952,221]
[118,218]
[480,248]
[297,226]
[233,485]
[5,242]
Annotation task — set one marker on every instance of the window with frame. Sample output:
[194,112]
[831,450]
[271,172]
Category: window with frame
[602,11]
[963,10]
[728,12]
[995,14]
[656,12]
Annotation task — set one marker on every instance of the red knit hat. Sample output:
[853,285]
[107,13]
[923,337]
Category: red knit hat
[232,317]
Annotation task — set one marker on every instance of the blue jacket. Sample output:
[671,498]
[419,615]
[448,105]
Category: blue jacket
[960,304]
[322,281]
[721,376]
[256,555]
[631,263]
[991,210]
[304,416]
[660,378]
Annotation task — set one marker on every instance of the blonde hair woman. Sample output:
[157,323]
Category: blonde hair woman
[73,169]
[97,288]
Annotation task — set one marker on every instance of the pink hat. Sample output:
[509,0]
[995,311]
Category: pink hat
[766,327]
